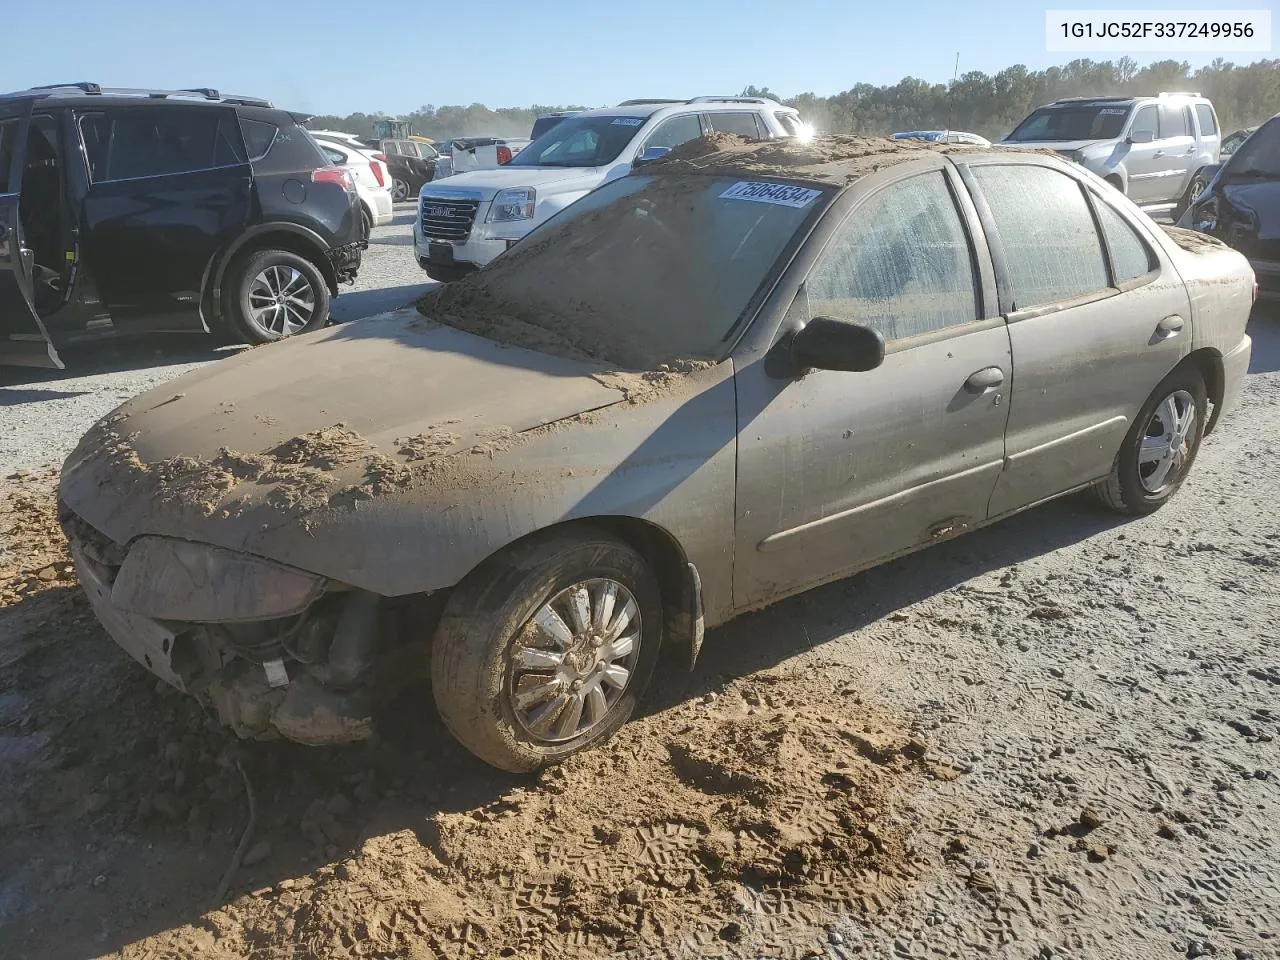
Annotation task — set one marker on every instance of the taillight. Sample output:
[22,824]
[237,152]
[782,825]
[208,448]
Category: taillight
[332,175]
[376,167]
[504,154]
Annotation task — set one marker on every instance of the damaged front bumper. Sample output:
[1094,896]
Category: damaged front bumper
[275,651]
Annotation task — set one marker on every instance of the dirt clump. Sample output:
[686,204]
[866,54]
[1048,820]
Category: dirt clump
[33,550]
[830,160]
[1193,241]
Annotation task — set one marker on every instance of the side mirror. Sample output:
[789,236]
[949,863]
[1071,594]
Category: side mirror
[651,154]
[1142,136]
[825,343]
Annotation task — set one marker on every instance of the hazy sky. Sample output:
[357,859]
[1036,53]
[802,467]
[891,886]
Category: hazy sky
[326,56]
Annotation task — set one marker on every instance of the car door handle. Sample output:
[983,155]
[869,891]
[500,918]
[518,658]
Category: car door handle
[1168,327]
[988,378]
[1158,153]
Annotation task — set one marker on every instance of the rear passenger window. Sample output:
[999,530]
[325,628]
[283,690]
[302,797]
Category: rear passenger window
[1173,122]
[900,263]
[740,122]
[1208,123]
[155,142]
[1050,242]
[258,136]
[1130,256]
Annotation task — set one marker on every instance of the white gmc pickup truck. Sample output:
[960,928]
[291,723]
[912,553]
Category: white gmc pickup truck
[468,219]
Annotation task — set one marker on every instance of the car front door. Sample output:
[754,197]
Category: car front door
[169,186]
[1096,319]
[839,470]
[1144,158]
[23,338]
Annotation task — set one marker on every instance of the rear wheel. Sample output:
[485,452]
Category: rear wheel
[1160,447]
[366,220]
[545,650]
[399,190]
[272,294]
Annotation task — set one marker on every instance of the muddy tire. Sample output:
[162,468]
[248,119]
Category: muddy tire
[272,294]
[545,649]
[1160,448]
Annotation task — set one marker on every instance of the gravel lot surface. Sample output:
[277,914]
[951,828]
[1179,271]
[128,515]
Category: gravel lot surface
[43,413]
[1052,738]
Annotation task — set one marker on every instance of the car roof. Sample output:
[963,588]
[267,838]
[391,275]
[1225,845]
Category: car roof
[827,161]
[115,96]
[648,108]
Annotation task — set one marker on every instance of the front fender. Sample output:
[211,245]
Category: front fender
[669,461]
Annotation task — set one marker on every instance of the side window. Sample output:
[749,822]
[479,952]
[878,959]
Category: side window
[901,263]
[671,133]
[153,142]
[740,122]
[95,135]
[1130,255]
[1048,234]
[8,134]
[228,149]
[1146,119]
[1173,122]
[1208,123]
[334,156]
[258,136]
[789,123]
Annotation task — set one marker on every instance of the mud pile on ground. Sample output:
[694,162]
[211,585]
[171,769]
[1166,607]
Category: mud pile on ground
[33,551]
[736,824]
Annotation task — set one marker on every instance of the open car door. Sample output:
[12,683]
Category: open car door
[23,339]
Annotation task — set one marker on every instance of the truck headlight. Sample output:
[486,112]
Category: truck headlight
[514,204]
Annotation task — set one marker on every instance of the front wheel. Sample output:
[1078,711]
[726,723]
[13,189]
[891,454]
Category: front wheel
[1160,447]
[545,650]
[273,294]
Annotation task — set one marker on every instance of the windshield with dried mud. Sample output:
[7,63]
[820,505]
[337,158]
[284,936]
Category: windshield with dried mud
[644,271]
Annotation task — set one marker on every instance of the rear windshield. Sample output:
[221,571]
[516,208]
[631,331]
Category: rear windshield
[580,142]
[648,270]
[1078,122]
[1259,156]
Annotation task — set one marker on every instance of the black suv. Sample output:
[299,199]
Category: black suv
[173,210]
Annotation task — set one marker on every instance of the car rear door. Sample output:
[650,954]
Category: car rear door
[1178,145]
[170,187]
[839,470]
[1096,317]
[23,338]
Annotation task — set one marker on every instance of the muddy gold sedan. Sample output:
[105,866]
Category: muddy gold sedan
[734,374]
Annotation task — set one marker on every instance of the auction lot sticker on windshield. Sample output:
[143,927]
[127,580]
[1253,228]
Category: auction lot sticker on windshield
[780,193]
[627,121]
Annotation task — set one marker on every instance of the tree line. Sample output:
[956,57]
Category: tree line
[990,105]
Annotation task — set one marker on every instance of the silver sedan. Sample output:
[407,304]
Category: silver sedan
[730,376]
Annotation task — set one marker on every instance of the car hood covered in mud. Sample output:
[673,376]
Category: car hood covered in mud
[255,450]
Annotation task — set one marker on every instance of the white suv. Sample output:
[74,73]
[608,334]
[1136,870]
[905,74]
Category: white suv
[471,218]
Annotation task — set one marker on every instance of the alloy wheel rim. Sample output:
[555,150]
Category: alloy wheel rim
[281,300]
[574,660]
[399,190]
[1166,444]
